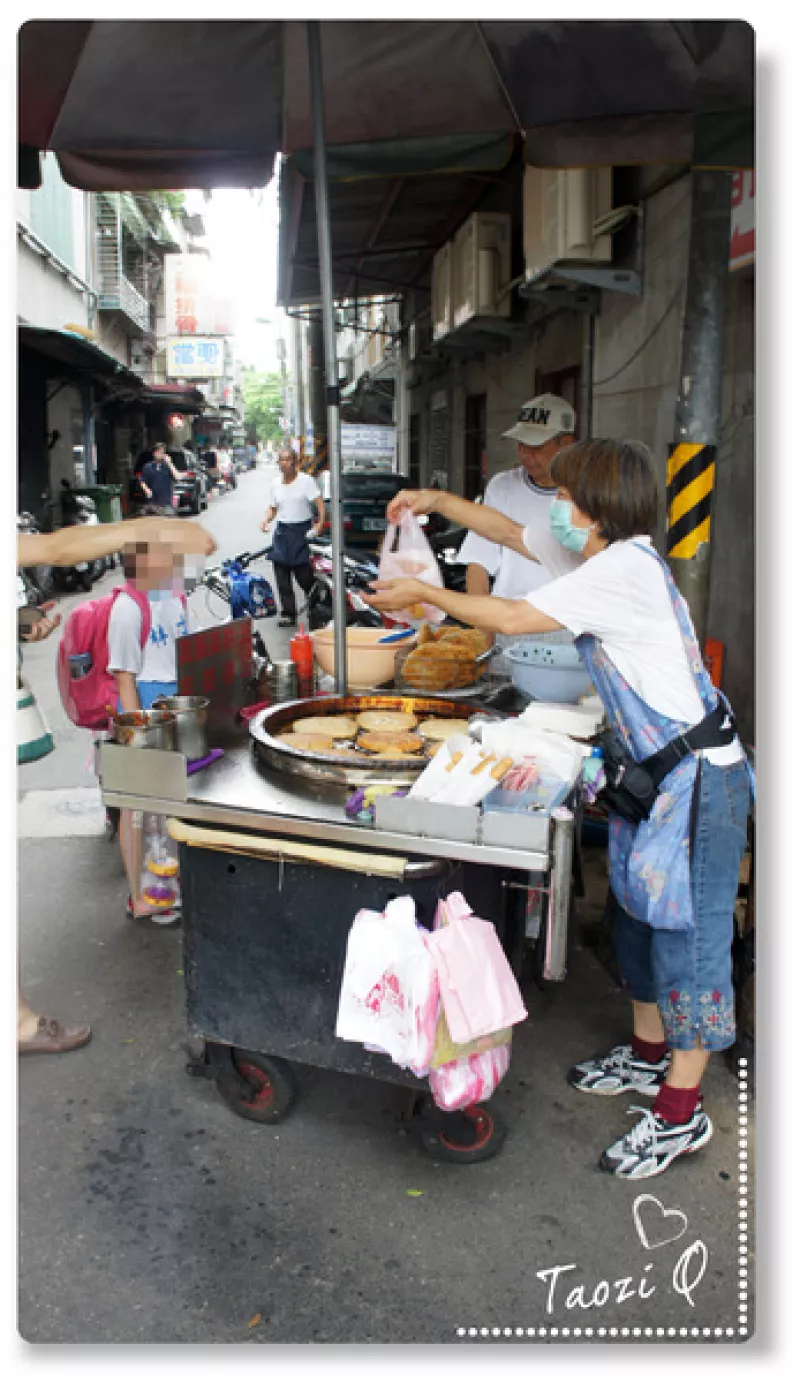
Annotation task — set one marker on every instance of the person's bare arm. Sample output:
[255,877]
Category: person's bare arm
[176,474]
[128,691]
[85,542]
[321,515]
[479,518]
[478,580]
[484,612]
[268,517]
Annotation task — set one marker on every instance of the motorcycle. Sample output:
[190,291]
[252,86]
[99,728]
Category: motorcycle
[75,510]
[359,573]
[37,581]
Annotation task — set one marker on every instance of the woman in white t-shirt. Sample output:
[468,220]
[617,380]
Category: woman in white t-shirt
[294,500]
[674,877]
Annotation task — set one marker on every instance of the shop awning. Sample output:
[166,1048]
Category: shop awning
[183,398]
[77,355]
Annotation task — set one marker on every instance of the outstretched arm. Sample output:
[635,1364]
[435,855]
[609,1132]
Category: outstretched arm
[483,611]
[481,519]
[85,542]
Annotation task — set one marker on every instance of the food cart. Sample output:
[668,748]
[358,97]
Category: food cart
[273,872]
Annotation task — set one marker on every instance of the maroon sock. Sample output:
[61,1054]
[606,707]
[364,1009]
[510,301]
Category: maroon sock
[675,1105]
[649,1051]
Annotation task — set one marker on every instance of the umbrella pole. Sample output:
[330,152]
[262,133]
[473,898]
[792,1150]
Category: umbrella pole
[329,333]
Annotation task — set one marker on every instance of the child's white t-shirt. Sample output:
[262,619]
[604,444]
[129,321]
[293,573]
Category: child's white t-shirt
[157,661]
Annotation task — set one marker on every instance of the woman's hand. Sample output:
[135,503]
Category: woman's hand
[43,627]
[399,594]
[413,501]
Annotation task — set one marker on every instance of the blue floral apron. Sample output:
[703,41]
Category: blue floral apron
[650,864]
[289,545]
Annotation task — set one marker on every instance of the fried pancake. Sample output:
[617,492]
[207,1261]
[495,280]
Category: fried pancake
[386,744]
[331,727]
[391,722]
[437,728]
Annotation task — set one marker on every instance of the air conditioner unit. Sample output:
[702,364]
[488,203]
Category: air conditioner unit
[442,292]
[482,267]
[559,209]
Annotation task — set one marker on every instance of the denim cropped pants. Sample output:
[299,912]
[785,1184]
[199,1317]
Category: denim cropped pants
[688,973]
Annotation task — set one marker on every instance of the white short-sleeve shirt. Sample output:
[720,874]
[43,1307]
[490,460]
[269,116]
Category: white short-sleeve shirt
[519,498]
[621,596]
[295,503]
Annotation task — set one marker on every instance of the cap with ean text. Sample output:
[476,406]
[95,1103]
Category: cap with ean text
[541,419]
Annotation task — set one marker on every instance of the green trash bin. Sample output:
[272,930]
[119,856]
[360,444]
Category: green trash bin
[107,498]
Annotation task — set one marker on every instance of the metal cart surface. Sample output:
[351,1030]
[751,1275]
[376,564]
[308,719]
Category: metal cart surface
[266,923]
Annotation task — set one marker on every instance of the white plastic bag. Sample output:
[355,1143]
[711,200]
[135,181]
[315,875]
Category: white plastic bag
[414,557]
[389,996]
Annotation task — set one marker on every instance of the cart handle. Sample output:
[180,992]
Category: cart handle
[266,847]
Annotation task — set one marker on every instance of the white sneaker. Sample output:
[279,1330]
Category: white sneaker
[652,1144]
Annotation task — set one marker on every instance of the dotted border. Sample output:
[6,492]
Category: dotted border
[659,1332]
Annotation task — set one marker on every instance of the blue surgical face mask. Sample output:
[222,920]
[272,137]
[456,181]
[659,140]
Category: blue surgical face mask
[564,530]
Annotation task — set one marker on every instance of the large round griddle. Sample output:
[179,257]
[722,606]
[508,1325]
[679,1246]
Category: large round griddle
[331,768]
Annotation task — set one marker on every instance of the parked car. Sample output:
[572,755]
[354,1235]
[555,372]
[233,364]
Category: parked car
[365,495]
[192,488]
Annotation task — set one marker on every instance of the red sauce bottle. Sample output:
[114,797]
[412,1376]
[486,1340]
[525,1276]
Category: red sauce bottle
[301,652]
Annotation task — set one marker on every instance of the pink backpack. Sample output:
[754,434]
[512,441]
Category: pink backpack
[88,690]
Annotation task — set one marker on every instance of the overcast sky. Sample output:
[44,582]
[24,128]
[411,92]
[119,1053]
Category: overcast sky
[242,238]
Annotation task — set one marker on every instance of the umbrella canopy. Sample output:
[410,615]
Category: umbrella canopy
[130,104]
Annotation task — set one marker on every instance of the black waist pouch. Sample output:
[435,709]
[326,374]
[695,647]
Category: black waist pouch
[632,788]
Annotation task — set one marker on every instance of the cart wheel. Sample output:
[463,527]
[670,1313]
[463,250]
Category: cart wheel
[261,1088]
[447,1136]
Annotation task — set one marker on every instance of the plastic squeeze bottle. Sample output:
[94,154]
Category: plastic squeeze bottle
[301,652]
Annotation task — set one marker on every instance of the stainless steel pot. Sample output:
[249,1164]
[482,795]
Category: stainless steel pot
[144,729]
[191,714]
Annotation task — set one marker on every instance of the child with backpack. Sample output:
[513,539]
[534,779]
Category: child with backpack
[118,653]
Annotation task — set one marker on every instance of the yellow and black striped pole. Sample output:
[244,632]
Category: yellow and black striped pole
[690,482]
[692,457]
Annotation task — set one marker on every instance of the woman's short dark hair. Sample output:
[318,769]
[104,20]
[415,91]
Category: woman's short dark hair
[613,482]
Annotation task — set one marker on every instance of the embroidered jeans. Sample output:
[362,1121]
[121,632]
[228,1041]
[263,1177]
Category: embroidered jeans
[688,973]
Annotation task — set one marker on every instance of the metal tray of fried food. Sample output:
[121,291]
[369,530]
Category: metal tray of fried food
[315,767]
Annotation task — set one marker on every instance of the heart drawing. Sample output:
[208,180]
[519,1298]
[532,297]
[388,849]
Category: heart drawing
[658,1234]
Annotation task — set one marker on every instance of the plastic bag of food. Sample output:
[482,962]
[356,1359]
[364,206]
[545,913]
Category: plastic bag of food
[150,862]
[469,1080]
[406,552]
[389,996]
[478,990]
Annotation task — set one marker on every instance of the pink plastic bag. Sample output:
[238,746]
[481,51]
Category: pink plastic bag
[470,1079]
[413,557]
[476,982]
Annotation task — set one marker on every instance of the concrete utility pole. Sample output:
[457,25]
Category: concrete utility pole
[316,394]
[690,466]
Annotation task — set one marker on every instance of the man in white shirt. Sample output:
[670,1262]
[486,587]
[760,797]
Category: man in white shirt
[295,500]
[524,494]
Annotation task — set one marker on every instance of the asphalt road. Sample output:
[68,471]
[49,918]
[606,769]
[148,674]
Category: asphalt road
[150,1213]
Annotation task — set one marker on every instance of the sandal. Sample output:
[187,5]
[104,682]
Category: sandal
[52,1036]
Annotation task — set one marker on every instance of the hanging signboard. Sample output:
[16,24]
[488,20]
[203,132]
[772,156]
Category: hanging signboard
[743,219]
[195,357]
[193,304]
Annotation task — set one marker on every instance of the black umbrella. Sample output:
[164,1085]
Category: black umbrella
[132,104]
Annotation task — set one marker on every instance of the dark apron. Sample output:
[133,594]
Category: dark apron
[289,546]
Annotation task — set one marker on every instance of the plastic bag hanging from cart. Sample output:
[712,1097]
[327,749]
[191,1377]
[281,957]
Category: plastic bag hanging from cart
[478,991]
[150,864]
[389,995]
[413,557]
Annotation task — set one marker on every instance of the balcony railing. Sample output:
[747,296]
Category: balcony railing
[118,294]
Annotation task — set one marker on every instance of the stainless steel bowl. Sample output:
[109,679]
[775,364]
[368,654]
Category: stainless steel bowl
[191,715]
[328,768]
[144,729]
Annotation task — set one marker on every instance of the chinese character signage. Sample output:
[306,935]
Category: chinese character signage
[195,357]
[743,218]
[194,304]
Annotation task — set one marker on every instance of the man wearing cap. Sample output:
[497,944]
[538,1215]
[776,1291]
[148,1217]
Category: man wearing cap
[524,493]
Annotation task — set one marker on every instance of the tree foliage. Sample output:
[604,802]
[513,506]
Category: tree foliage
[263,404]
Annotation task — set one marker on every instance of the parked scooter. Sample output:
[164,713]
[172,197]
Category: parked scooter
[359,573]
[76,509]
[37,581]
